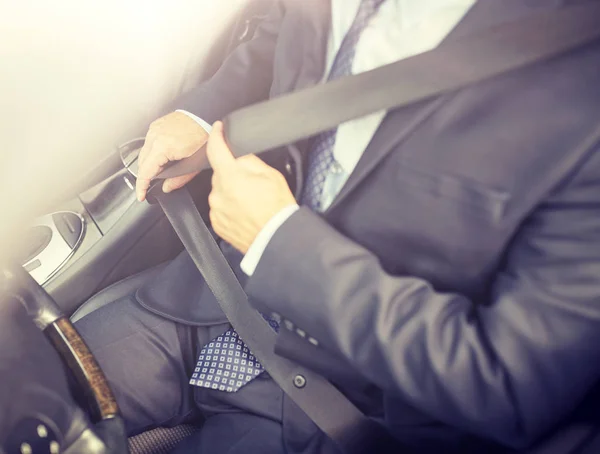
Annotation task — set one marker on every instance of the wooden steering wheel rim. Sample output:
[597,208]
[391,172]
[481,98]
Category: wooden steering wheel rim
[80,361]
[63,336]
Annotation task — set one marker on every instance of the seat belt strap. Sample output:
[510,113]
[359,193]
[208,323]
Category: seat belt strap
[453,65]
[324,404]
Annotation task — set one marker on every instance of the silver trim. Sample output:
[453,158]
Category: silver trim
[129,152]
[128,182]
[57,253]
[87,442]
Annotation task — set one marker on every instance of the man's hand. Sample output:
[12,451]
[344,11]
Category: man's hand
[246,193]
[170,138]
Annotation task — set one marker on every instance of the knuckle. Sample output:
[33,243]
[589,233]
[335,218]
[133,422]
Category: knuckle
[161,152]
[214,220]
[211,200]
[169,152]
[279,178]
[153,128]
[142,182]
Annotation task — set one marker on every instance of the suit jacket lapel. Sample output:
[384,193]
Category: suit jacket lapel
[316,30]
[383,142]
[303,64]
[315,25]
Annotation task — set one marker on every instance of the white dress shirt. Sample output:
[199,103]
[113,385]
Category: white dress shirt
[400,29]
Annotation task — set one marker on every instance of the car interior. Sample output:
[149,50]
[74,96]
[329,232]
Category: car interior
[90,236]
[86,239]
[102,234]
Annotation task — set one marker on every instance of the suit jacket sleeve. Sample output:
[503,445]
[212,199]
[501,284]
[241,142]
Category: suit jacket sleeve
[508,368]
[244,78]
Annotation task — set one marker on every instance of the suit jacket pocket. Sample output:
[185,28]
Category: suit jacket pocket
[468,197]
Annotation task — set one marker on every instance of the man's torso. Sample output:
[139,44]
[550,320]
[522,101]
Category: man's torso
[445,186]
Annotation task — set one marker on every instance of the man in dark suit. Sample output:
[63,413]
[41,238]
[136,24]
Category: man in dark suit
[444,267]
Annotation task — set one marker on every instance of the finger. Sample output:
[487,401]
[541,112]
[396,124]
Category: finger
[148,141]
[175,183]
[253,162]
[218,223]
[142,184]
[152,166]
[218,153]
[141,189]
[214,219]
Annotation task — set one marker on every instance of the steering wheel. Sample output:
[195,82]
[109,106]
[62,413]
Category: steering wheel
[45,417]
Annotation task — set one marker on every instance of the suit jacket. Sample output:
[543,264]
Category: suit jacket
[454,284]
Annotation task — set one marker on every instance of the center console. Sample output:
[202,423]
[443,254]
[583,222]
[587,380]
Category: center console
[52,240]
[97,238]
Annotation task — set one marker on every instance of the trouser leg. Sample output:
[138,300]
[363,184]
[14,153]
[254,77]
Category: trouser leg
[146,359]
[235,433]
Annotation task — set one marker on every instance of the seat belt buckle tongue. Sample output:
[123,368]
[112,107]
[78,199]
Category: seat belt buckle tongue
[155,190]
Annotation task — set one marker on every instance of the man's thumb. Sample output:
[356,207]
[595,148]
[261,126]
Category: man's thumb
[218,153]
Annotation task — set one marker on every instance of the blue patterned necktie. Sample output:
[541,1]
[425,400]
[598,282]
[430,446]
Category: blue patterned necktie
[320,156]
[226,363]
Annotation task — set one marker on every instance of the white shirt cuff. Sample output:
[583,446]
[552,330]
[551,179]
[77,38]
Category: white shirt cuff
[200,121]
[255,252]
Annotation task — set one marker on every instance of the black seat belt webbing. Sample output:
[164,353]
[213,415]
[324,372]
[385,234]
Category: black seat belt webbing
[320,400]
